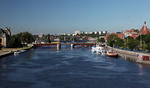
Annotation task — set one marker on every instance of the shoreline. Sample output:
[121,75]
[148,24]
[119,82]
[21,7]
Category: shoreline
[130,55]
[3,54]
[9,51]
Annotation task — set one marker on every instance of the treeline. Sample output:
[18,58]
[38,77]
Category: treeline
[20,40]
[142,42]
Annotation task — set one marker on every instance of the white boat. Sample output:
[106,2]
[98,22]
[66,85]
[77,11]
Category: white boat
[22,51]
[98,49]
[110,53]
[16,53]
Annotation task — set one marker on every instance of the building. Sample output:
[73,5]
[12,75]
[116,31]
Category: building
[104,32]
[106,37]
[132,33]
[40,35]
[120,35]
[77,32]
[100,32]
[5,35]
[57,40]
[92,40]
[144,30]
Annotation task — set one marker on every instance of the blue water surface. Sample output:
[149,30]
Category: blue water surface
[70,68]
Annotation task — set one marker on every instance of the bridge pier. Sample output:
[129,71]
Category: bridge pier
[72,46]
[58,46]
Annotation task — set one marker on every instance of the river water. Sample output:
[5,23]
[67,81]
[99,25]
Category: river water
[76,68]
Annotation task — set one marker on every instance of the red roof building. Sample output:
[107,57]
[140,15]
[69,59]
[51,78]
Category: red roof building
[120,36]
[131,30]
[134,36]
[144,30]
[106,37]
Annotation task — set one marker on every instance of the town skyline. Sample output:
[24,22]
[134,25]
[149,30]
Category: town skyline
[67,16]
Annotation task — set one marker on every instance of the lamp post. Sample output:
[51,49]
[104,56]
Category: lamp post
[141,42]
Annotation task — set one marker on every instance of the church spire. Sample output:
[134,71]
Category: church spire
[145,22]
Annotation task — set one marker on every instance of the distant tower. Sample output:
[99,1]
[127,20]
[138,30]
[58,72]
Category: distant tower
[145,22]
[144,29]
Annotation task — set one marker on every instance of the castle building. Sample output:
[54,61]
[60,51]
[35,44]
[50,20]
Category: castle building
[4,36]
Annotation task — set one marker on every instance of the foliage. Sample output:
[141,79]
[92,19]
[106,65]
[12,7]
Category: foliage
[101,40]
[25,37]
[147,38]
[14,42]
[119,42]
[132,43]
[113,40]
[19,39]
[148,47]
[110,42]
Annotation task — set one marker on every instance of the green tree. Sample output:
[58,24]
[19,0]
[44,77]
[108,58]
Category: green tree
[101,40]
[133,44]
[148,47]
[146,39]
[111,40]
[119,42]
[25,37]
[14,42]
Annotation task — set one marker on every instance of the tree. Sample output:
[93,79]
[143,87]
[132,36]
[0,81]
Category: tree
[25,37]
[19,39]
[146,39]
[101,40]
[111,40]
[119,42]
[14,42]
[132,44]
[48,36]
[148,48]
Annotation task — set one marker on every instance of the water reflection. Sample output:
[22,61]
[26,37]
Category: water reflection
[140,69]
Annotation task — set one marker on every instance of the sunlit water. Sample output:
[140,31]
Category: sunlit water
[77,68]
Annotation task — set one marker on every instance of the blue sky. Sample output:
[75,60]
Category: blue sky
[66,16]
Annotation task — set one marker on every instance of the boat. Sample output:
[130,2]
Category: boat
[143,57]
[98,49]
[22,51]
[111,54]
[16,53]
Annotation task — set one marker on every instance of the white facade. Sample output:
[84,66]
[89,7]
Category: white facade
[77,32]
[40,35]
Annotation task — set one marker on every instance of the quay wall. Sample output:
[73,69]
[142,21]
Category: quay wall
[2,54]
[130,55]
[9,51]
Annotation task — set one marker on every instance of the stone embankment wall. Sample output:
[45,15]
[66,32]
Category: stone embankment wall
[2,54]
[130,55]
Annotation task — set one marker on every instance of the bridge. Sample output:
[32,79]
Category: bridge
[82,44]
[58,45]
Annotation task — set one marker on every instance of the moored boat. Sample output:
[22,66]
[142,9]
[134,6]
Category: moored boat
[16,53]
[98,49]
[111,54]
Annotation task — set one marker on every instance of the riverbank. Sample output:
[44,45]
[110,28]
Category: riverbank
[9,51]
[130,55]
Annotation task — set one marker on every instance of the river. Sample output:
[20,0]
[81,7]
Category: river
[66,68]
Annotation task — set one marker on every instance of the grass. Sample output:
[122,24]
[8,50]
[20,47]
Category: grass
[15,49]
